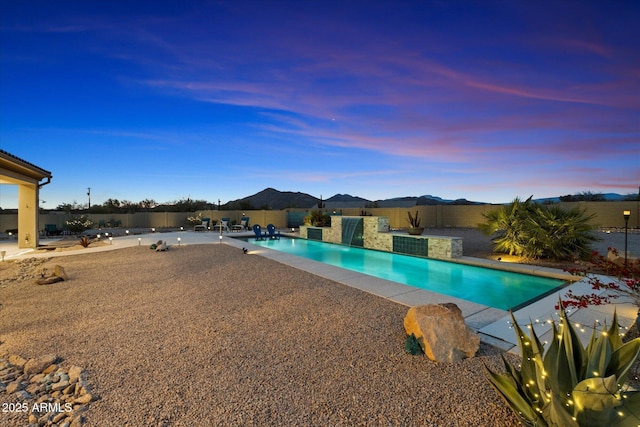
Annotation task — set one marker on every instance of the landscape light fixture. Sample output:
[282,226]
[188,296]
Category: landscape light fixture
[626,215]
[3,253]
[179,241]
[111,240]
[139,241]
[98,235]
[153,230]
[127,232]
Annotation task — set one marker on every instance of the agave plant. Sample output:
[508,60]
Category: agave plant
[414,221]
[571,385]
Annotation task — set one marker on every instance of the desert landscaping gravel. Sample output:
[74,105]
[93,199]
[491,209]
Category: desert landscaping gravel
[203,335]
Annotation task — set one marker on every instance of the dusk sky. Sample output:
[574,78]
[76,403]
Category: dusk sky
[164,100]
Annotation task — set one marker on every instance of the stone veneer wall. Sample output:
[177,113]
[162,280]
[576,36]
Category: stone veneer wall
[377,236]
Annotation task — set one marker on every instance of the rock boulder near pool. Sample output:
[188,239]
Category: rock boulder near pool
[445,336]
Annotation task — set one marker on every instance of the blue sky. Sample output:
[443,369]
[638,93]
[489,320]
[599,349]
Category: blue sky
[213,100]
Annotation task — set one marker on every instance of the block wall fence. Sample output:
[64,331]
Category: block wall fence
[607,214]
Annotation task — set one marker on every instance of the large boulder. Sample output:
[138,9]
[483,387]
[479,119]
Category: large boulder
[441,331]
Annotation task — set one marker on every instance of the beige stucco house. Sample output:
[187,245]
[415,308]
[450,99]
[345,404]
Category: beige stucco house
[28,177]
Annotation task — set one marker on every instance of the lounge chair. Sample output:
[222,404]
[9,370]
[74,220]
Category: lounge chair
[223,225]
[244,224]
[273,233]
[51,230]
[258,232]
[204,226]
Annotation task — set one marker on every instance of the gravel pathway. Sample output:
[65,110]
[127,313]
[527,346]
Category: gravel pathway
[203,335]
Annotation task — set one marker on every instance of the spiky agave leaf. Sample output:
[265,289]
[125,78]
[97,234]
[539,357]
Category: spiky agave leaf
[613,334]
[629,412]
[596,401]
[529,370]
[514,396]
[556,415]
[598,357]
[622,359]
[592,339]
[573,354]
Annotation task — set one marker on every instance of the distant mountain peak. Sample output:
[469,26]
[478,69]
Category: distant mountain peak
[271,198]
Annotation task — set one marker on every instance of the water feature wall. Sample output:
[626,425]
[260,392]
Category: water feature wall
[376,235]
[352,231]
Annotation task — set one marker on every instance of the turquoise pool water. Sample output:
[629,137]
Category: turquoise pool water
[494,288]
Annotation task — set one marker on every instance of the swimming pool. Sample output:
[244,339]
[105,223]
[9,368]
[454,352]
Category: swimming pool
[494,288]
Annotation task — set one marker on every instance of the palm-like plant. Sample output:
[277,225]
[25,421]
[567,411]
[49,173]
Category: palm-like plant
[510,224]
[538,231]
[560,233]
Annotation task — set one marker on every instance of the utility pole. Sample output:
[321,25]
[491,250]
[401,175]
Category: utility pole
[89,195]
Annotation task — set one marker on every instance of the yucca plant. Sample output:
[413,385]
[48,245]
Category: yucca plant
[571,385]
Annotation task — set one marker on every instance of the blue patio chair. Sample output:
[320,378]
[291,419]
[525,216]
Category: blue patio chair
[258,232]
[273,233]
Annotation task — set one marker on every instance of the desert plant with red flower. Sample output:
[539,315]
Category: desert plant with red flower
[611,277]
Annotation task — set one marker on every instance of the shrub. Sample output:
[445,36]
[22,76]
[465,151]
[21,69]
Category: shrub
[317,219]
[571,385]
[85,241]
[195,220]
[623,280]
[412,345]
[79,224]
[538,231]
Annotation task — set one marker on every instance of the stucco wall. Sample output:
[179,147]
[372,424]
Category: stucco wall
[606,214]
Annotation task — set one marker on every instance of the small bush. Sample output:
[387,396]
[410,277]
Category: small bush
[85,241]
[79,224]
[412,345]
[536,231]
[318,219]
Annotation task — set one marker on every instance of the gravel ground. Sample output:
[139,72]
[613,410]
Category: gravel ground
[205,336]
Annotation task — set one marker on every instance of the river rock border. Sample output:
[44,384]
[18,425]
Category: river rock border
[45,393]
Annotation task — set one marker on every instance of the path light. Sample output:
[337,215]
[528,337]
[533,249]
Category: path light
[98,235]
[179,239]
[139,240]
[127,232]
[111,240]
[153,230]
[3,253]
[181,229]
[220,238]
[626,215]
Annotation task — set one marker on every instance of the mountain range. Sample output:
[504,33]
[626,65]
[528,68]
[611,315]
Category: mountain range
[270,198]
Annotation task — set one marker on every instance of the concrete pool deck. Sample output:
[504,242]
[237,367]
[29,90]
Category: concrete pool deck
[493,325]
